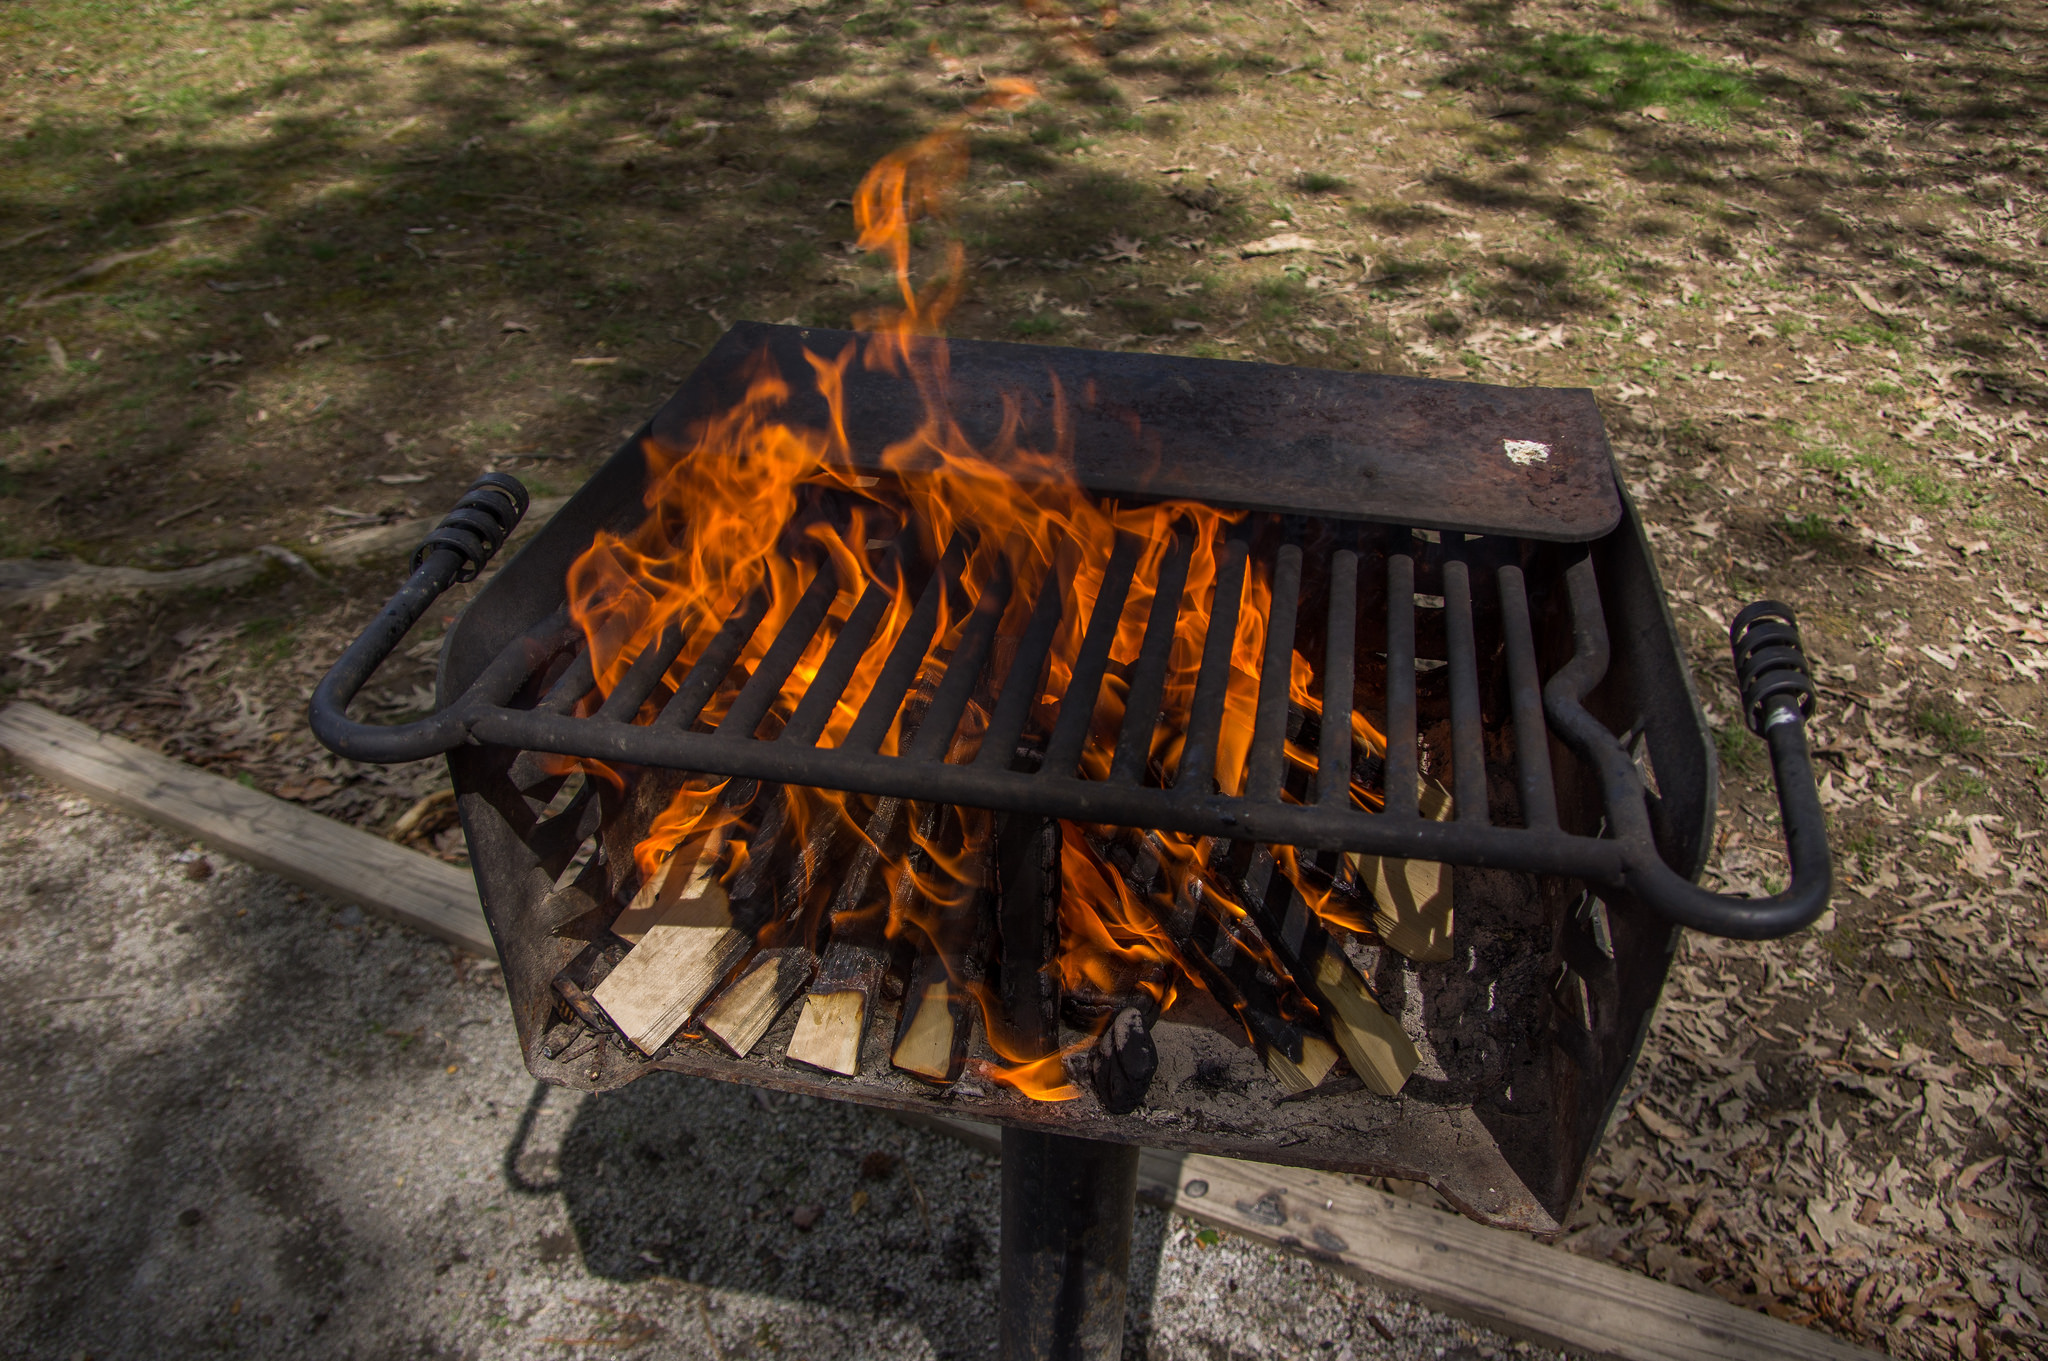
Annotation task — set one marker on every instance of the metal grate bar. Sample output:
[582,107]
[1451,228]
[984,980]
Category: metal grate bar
[905,656]
[1077,705]
[1468,744]
[641,677]
[1267,763]
[963,673]
[574,684]
[1525,692]
[765,684]
[1148,677]
[1020,686]
[1197,772]
[711,669]
[1400,780]
[821,696]
[1333,760]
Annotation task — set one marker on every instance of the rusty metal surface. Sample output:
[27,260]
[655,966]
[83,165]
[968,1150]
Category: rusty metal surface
[1516,1087]
[1420,452]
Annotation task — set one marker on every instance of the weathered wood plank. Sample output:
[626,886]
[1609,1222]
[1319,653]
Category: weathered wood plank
[1490,1276]
[267,832]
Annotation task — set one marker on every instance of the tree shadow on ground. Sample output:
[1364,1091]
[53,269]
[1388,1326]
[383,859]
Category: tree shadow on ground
[314,279]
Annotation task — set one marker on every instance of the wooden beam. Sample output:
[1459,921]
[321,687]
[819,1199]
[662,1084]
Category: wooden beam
[1493,1277]
[262,830]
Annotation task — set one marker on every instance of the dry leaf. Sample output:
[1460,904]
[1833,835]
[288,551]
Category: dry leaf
[312,343]
[594,362]
[1991,1052]
[1278,245]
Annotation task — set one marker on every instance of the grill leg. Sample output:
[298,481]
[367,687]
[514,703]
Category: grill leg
[1067,1206]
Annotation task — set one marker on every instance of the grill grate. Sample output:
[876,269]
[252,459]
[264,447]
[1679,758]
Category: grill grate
[1476,602]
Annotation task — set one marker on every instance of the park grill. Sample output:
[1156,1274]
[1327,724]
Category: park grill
[1462,573]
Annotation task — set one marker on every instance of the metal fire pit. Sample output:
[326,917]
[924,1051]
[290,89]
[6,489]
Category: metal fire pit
[1479,531]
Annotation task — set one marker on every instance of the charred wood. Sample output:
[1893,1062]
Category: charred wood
[1125,1060]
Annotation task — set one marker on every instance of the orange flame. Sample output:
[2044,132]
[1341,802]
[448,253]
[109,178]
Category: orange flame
[732,515]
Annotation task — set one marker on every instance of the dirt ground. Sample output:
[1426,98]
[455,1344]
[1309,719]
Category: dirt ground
[328,1147]
[274,272]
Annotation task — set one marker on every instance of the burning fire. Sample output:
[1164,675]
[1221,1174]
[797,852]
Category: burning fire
[737,514]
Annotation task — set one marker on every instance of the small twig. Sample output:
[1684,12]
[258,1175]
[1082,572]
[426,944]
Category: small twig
[923,1214]
[710,1338]
[84,997]
[178,515]
[28,236]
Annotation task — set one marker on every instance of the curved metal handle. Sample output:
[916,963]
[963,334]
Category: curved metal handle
[1777,698]
[454,550]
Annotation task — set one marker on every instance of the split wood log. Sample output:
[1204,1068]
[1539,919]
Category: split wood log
[1413,897]
[687,944]
[740,1015]
[841,1001]
[1379,1050]
[937,1020]
[1206,936]
[835,1017]
[1318,1057]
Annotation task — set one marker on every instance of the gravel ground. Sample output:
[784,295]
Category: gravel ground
[242,1118]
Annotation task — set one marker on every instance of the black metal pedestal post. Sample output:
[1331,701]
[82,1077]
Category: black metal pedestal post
[1067,1206]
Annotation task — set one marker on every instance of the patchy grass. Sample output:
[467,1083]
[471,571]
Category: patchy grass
[1596,73]
[1949,726]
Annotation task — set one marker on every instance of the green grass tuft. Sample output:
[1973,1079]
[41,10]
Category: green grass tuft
[1947,725]
[1590,71]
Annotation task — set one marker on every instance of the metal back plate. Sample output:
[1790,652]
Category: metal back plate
[1529,463]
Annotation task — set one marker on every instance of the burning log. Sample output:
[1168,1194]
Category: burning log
[1379,1051]
[1413,896]
[740,1015]
[1125,1060]
[936,1022]
[834,1022]
[684,940]
[1222,949]
[840,1002]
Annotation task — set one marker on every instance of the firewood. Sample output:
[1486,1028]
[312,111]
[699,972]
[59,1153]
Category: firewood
[1379,1050]
[740,1015]
[1413,897]
[835,1017]
[683,874]
[931,1041]
[1125,1060]
[1318,1057]
[685,946]
[937,1020]
[841,999]
[1222,950]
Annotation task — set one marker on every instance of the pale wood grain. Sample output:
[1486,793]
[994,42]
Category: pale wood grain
[828,1033]
[282,838]
[738,1017]
[1494,1277]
